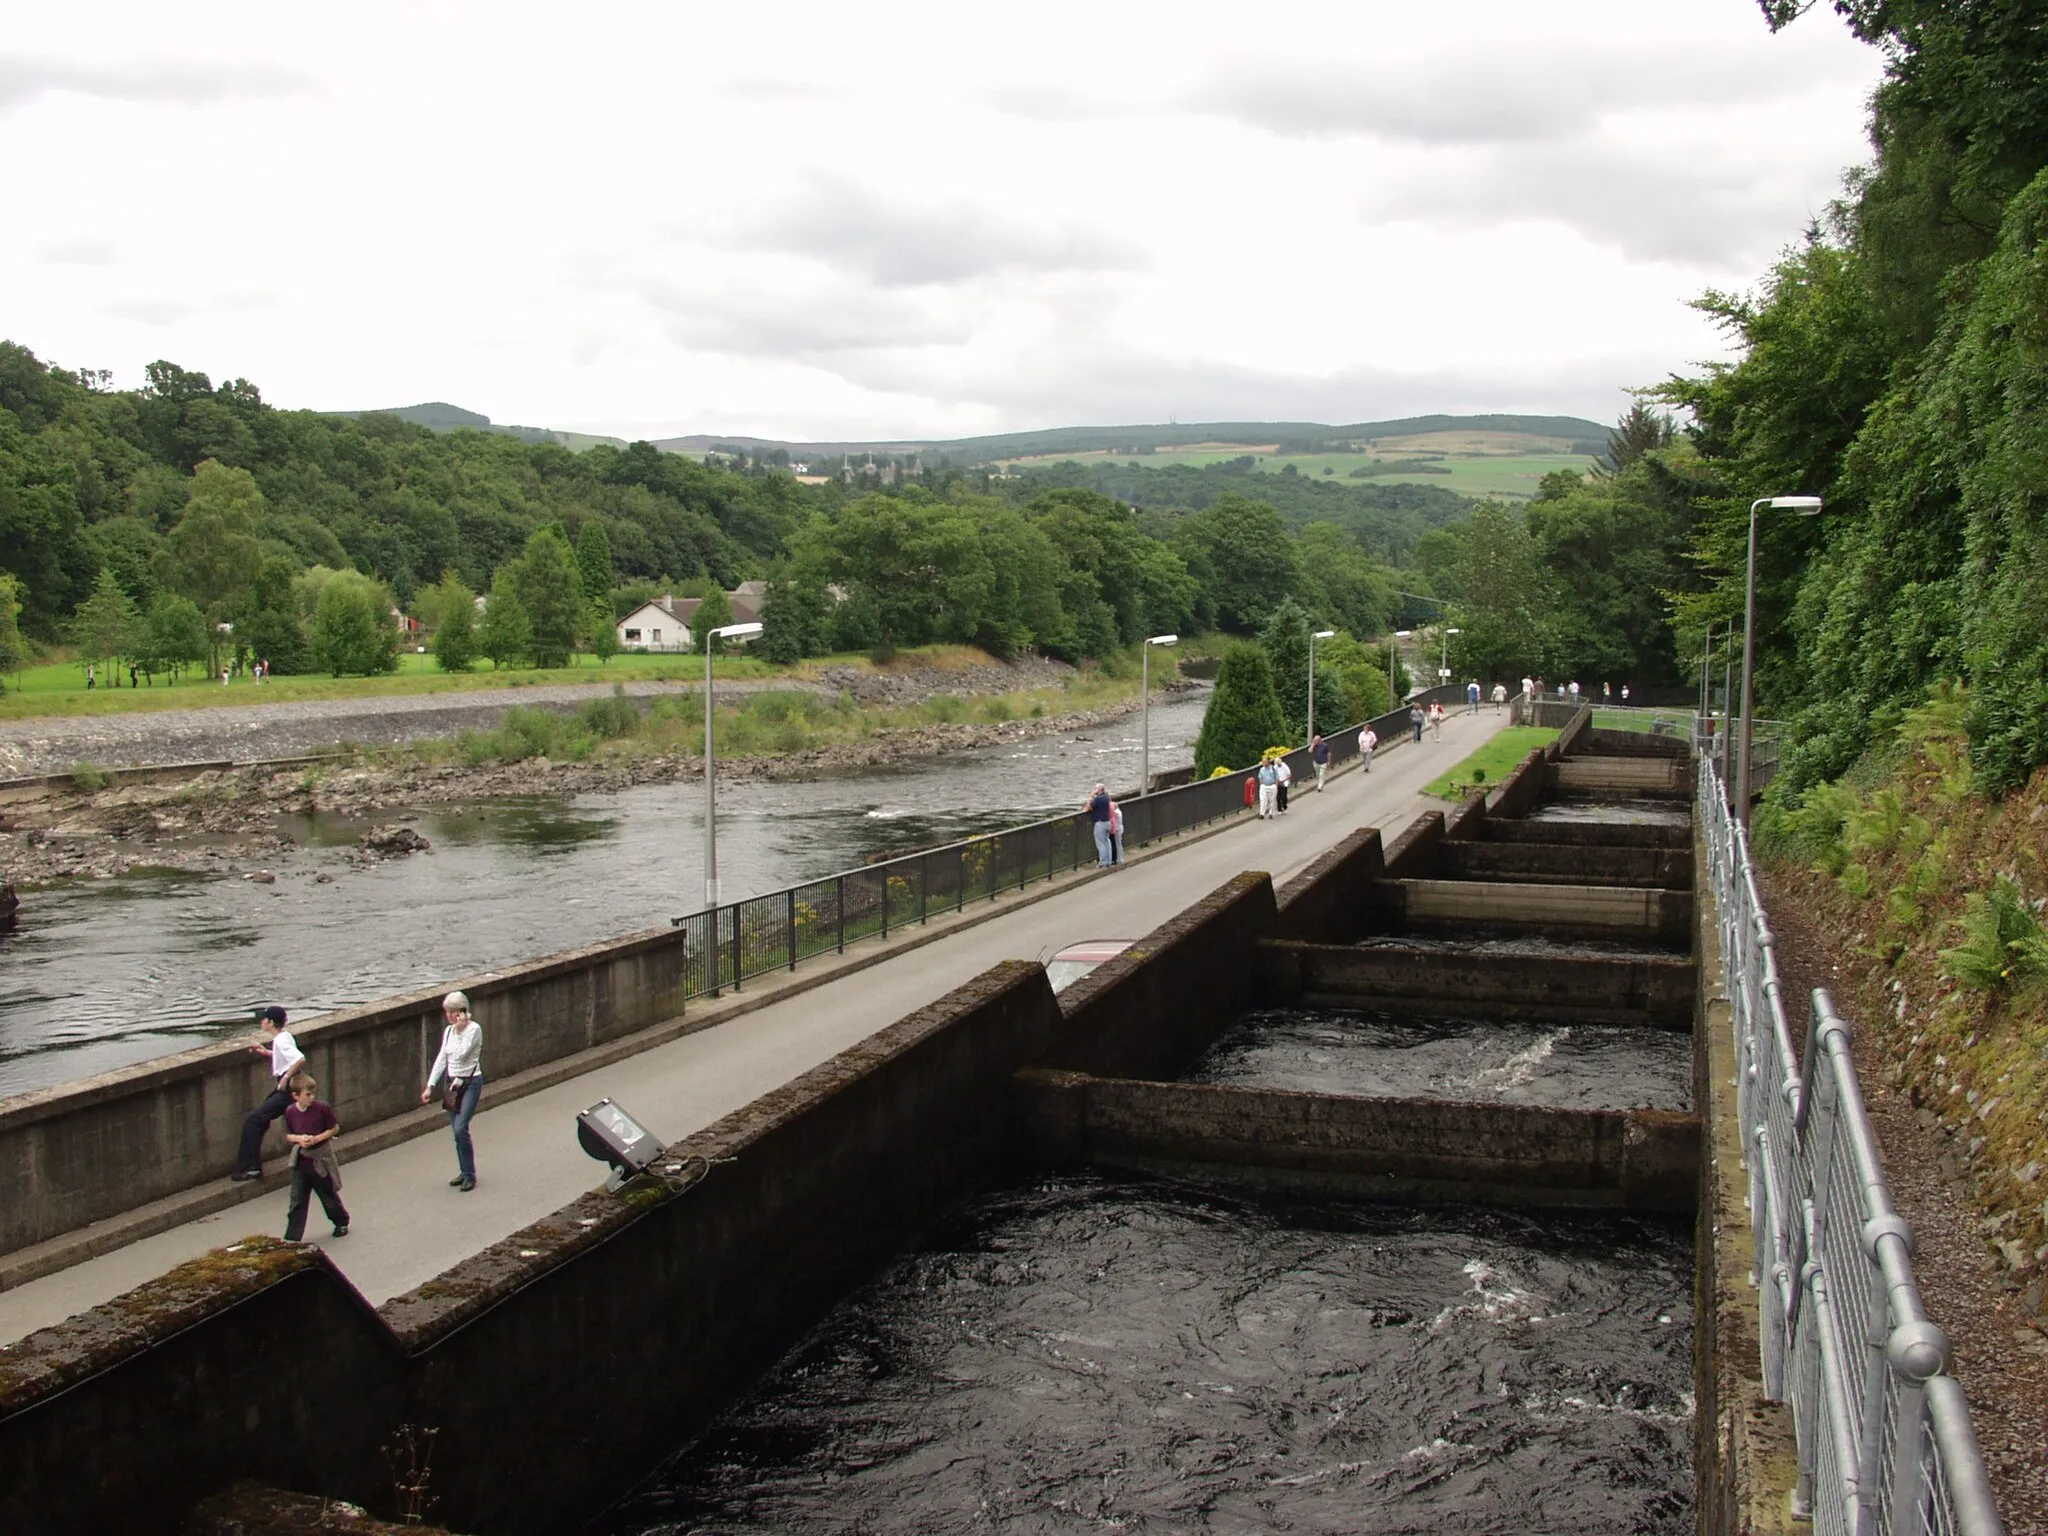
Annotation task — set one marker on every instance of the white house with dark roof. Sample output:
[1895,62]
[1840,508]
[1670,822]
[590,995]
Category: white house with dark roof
[663,624]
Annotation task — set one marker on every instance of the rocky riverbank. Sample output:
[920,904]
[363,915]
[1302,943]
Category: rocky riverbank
[234,820]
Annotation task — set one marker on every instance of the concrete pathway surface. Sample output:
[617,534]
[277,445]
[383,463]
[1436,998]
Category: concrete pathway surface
[408,1225]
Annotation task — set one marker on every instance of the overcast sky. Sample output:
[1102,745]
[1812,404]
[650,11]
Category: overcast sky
[823,220]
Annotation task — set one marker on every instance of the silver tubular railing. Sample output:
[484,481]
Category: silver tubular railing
[1885,1442]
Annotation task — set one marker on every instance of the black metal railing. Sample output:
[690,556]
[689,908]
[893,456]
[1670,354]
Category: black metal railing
[730,945]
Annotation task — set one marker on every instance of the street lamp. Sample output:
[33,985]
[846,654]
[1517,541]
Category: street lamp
[1443,667]
[1145,714]
[1393,697]
[729,632]
[1314,636]
[1805,506]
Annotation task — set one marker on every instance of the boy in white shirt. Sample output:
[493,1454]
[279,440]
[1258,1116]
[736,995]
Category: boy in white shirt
[285,1059]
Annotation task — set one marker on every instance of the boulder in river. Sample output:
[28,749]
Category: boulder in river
[390,842]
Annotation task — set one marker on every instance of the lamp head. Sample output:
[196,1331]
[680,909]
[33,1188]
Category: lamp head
[1163,640]
[1404,634]
[1807,505]
[736,632]
[1324,634]
[1454,631]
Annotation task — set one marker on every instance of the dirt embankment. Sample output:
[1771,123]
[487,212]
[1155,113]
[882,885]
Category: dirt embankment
[230,817]
[1956,1080]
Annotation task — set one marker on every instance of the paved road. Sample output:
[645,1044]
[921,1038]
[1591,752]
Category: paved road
[409,1226]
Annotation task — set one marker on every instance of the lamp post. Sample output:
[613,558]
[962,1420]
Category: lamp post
[1393,697]
[729,632]
[1145,712]
[1443,666]
[1313,636]
[1806,506]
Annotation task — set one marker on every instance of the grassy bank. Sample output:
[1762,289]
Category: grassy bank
[1934,896]
[768,724]
[58,688]
[1491,763]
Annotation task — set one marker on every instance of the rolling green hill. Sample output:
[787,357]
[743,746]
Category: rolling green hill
[1224,437]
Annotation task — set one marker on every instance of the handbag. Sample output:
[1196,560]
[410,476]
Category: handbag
[451,1094]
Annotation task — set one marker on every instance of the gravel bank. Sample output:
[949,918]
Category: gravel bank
[251,730]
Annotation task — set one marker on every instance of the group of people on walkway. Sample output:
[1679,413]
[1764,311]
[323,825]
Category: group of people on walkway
[311,1126]
[1106,819]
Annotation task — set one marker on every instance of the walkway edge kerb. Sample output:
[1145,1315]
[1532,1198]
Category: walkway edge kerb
[112,1233]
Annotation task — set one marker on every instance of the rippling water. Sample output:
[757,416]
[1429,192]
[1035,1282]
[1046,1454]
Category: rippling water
[1088,1354]
[1664,813]
[104,973]
[1565,1066]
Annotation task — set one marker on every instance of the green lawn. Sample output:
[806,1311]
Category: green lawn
[1492,762]
[58,688]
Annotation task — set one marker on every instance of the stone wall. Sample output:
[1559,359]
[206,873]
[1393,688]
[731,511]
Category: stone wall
[556,1366]
[177,1121]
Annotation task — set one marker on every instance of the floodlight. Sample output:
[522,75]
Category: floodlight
[610,1135]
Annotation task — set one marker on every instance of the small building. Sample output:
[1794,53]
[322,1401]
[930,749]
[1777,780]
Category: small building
[663,625]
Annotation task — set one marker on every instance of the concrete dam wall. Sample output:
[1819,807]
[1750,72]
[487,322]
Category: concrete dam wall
[560,1365]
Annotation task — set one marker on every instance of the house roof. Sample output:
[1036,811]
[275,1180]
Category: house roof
[683,609]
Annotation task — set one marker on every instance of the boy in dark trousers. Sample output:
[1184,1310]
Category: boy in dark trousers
[310,1126]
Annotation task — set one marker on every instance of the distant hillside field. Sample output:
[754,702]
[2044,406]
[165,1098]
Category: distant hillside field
[1469,461]
[1566,434]
[440,416]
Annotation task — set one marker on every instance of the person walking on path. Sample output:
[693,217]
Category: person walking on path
[1319,754]
[285,1060]
[1285,774]
[461,1061]
[1098,815]
[310,1126]
[1416,720]
[1269,787]
[1436,721]
[1500,696]
[1472,697]
[1368,743]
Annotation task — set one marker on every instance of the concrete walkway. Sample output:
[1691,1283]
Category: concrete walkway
[408,1225]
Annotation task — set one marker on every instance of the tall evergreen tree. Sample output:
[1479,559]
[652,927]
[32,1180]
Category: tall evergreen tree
[1243,718]
[594,562]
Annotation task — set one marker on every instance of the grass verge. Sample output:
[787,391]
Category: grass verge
[769,724]
[1491,763]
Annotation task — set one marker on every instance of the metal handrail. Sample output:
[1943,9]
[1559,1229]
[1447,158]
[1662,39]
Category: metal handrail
[731,944]
[1884,1434]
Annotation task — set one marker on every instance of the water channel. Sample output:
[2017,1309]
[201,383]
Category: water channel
[1557,1065]
[1086,1353]
[106,973]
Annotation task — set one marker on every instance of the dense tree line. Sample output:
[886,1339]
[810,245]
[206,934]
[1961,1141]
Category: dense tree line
[1896,363]
[186,524]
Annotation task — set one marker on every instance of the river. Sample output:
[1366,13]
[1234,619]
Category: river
[107,973]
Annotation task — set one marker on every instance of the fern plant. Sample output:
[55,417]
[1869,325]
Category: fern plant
[2003,942]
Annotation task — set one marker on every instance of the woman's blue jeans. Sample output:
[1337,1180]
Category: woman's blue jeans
[458,1122]
[1103,847]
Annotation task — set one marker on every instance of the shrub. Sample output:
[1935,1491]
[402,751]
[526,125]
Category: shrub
[2003,942]
[609,719]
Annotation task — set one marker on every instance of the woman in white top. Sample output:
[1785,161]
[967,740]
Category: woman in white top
[461,1061]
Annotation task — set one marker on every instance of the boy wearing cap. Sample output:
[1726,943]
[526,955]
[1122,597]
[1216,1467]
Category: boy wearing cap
[285,1059]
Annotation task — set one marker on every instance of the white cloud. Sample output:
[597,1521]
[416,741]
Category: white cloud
[170,81]
[798,219]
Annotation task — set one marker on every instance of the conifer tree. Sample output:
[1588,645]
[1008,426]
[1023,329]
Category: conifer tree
[1243,718]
